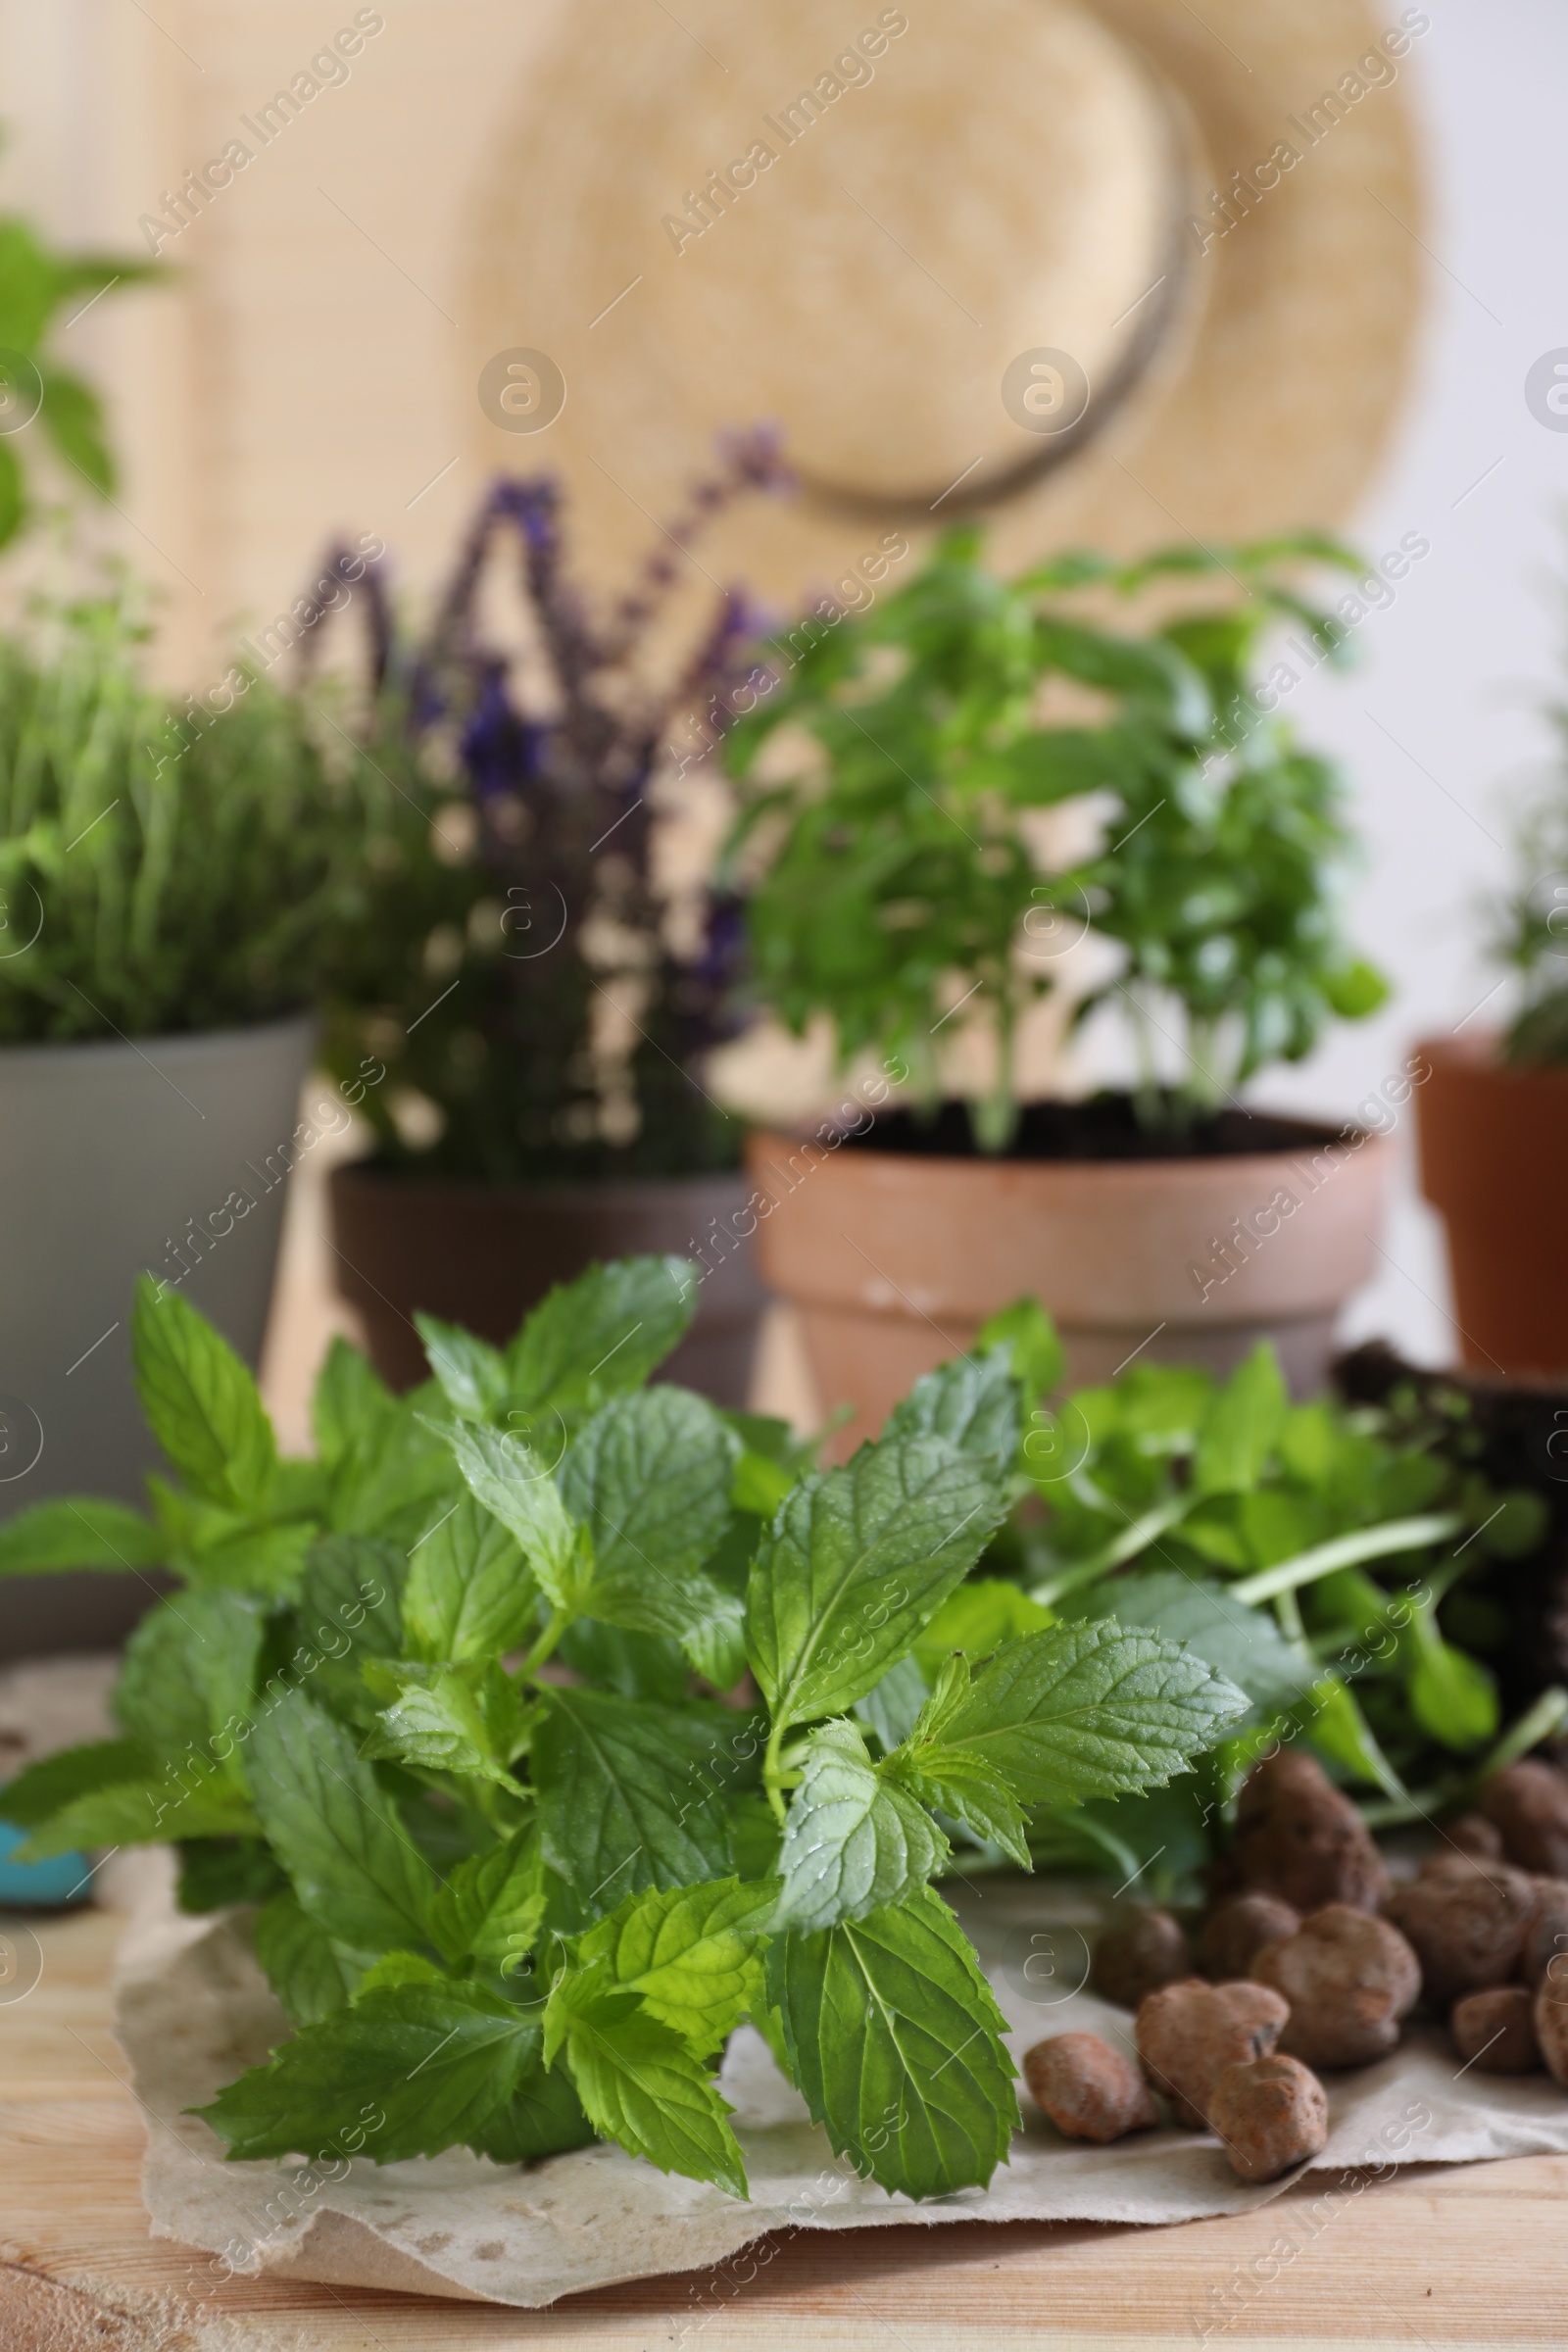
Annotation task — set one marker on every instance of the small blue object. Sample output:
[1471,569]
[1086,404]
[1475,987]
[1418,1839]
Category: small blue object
[40,1886]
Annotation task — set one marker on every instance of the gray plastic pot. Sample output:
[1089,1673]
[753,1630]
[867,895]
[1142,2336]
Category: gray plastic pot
[166,1154]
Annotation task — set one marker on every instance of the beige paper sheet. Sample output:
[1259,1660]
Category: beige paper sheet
[193,2009]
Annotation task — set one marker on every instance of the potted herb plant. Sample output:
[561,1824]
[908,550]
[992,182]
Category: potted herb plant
[1493,1120]
[895,894]
[517,1911]
[168,876]
[543,993]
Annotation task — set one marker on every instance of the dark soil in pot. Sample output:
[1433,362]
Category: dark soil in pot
[1100,1127]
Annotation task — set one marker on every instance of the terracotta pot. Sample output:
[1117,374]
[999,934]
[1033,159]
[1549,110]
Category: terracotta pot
[481,1255]
[1494,1161]
[892,1260]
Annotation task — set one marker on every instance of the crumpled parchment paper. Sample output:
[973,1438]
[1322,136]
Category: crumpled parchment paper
[193,2009]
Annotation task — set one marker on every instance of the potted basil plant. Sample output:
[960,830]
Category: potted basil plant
[896,893]
[169,876]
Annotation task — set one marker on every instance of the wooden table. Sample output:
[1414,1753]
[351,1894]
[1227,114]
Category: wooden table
[1437,2258]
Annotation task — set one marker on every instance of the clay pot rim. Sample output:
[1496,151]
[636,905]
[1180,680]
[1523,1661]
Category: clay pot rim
[1480,1056]
[372,1176]
[1195,1169]
[170,1044]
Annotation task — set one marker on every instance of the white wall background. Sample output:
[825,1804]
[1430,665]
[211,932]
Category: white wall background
[1439,725]
[1435,725]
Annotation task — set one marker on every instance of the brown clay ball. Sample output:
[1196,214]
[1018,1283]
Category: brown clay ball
[1138,1954]
[1467,1920]
[1187,2034]
[1546,1936]
[1348,1978]
[1089,2090]
[1298,1838]
[1550,2019]
[1528,1804]
[1473,1833]
[1237,1931]
[1270,2113]
[1493,2032]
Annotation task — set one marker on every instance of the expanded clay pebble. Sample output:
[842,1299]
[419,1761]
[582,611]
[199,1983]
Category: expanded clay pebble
[1467,1920]
[1550,2020]
[1298,1838]
[1138,1954]
[1473,1833]
[1494,2031]
[1236,1930]
[1349,1977]
[1270,2113]
[1528,1805]
[1089,2090]
[1188,2033]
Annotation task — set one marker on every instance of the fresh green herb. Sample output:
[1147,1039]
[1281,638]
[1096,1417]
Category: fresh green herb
[899,877]
[517,1908]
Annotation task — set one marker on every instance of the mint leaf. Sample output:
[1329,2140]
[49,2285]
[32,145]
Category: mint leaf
[353,1866]
[690,1953]
[544,2116]
[890,1708]
[40,1790]
[602,1335]
[1245,1644]
[638,2082]
[984,1612]
[215,1872]
[512,1484]
[1037,1360]
[856,1563]
[310,1975]
[78,1533]
[201,1403]
[469,1594]
[190,1801]
[967,1787]
[189,1676]
[853,1839]
[894,2042]
[972,1402]
[1241,1426]
[348,1610]
[444,1718]
[408,2070]
[632,1794]
[349,1403]
[395,1475]
[1083,1710]
[492,1906]
[472,1374]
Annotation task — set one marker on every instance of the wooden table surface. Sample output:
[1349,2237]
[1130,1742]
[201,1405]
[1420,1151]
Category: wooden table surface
[1440,2257]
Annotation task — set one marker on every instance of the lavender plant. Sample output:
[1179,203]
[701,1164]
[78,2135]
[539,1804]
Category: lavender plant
[519,963]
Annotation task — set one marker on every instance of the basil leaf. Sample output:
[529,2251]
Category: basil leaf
[854,1840]
[602,1335]
[353,1866]
[894,2042]
[857,1561]
[469,1594]
[972,1402]
[639,2083]
[406,2071]
[78,1533]
[690,1953]
[632,1794]
[1083,1710]
[201,1403]
[310,1975]
[473,1375]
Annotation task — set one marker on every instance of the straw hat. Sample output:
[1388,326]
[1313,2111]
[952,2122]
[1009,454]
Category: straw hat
[1099,271]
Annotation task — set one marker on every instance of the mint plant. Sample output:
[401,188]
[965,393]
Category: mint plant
[887,856]
[556,1725]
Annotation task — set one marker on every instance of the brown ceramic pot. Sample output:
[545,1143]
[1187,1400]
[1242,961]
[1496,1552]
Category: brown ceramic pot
[893,1260]
[481,1255]
[1494,1161]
